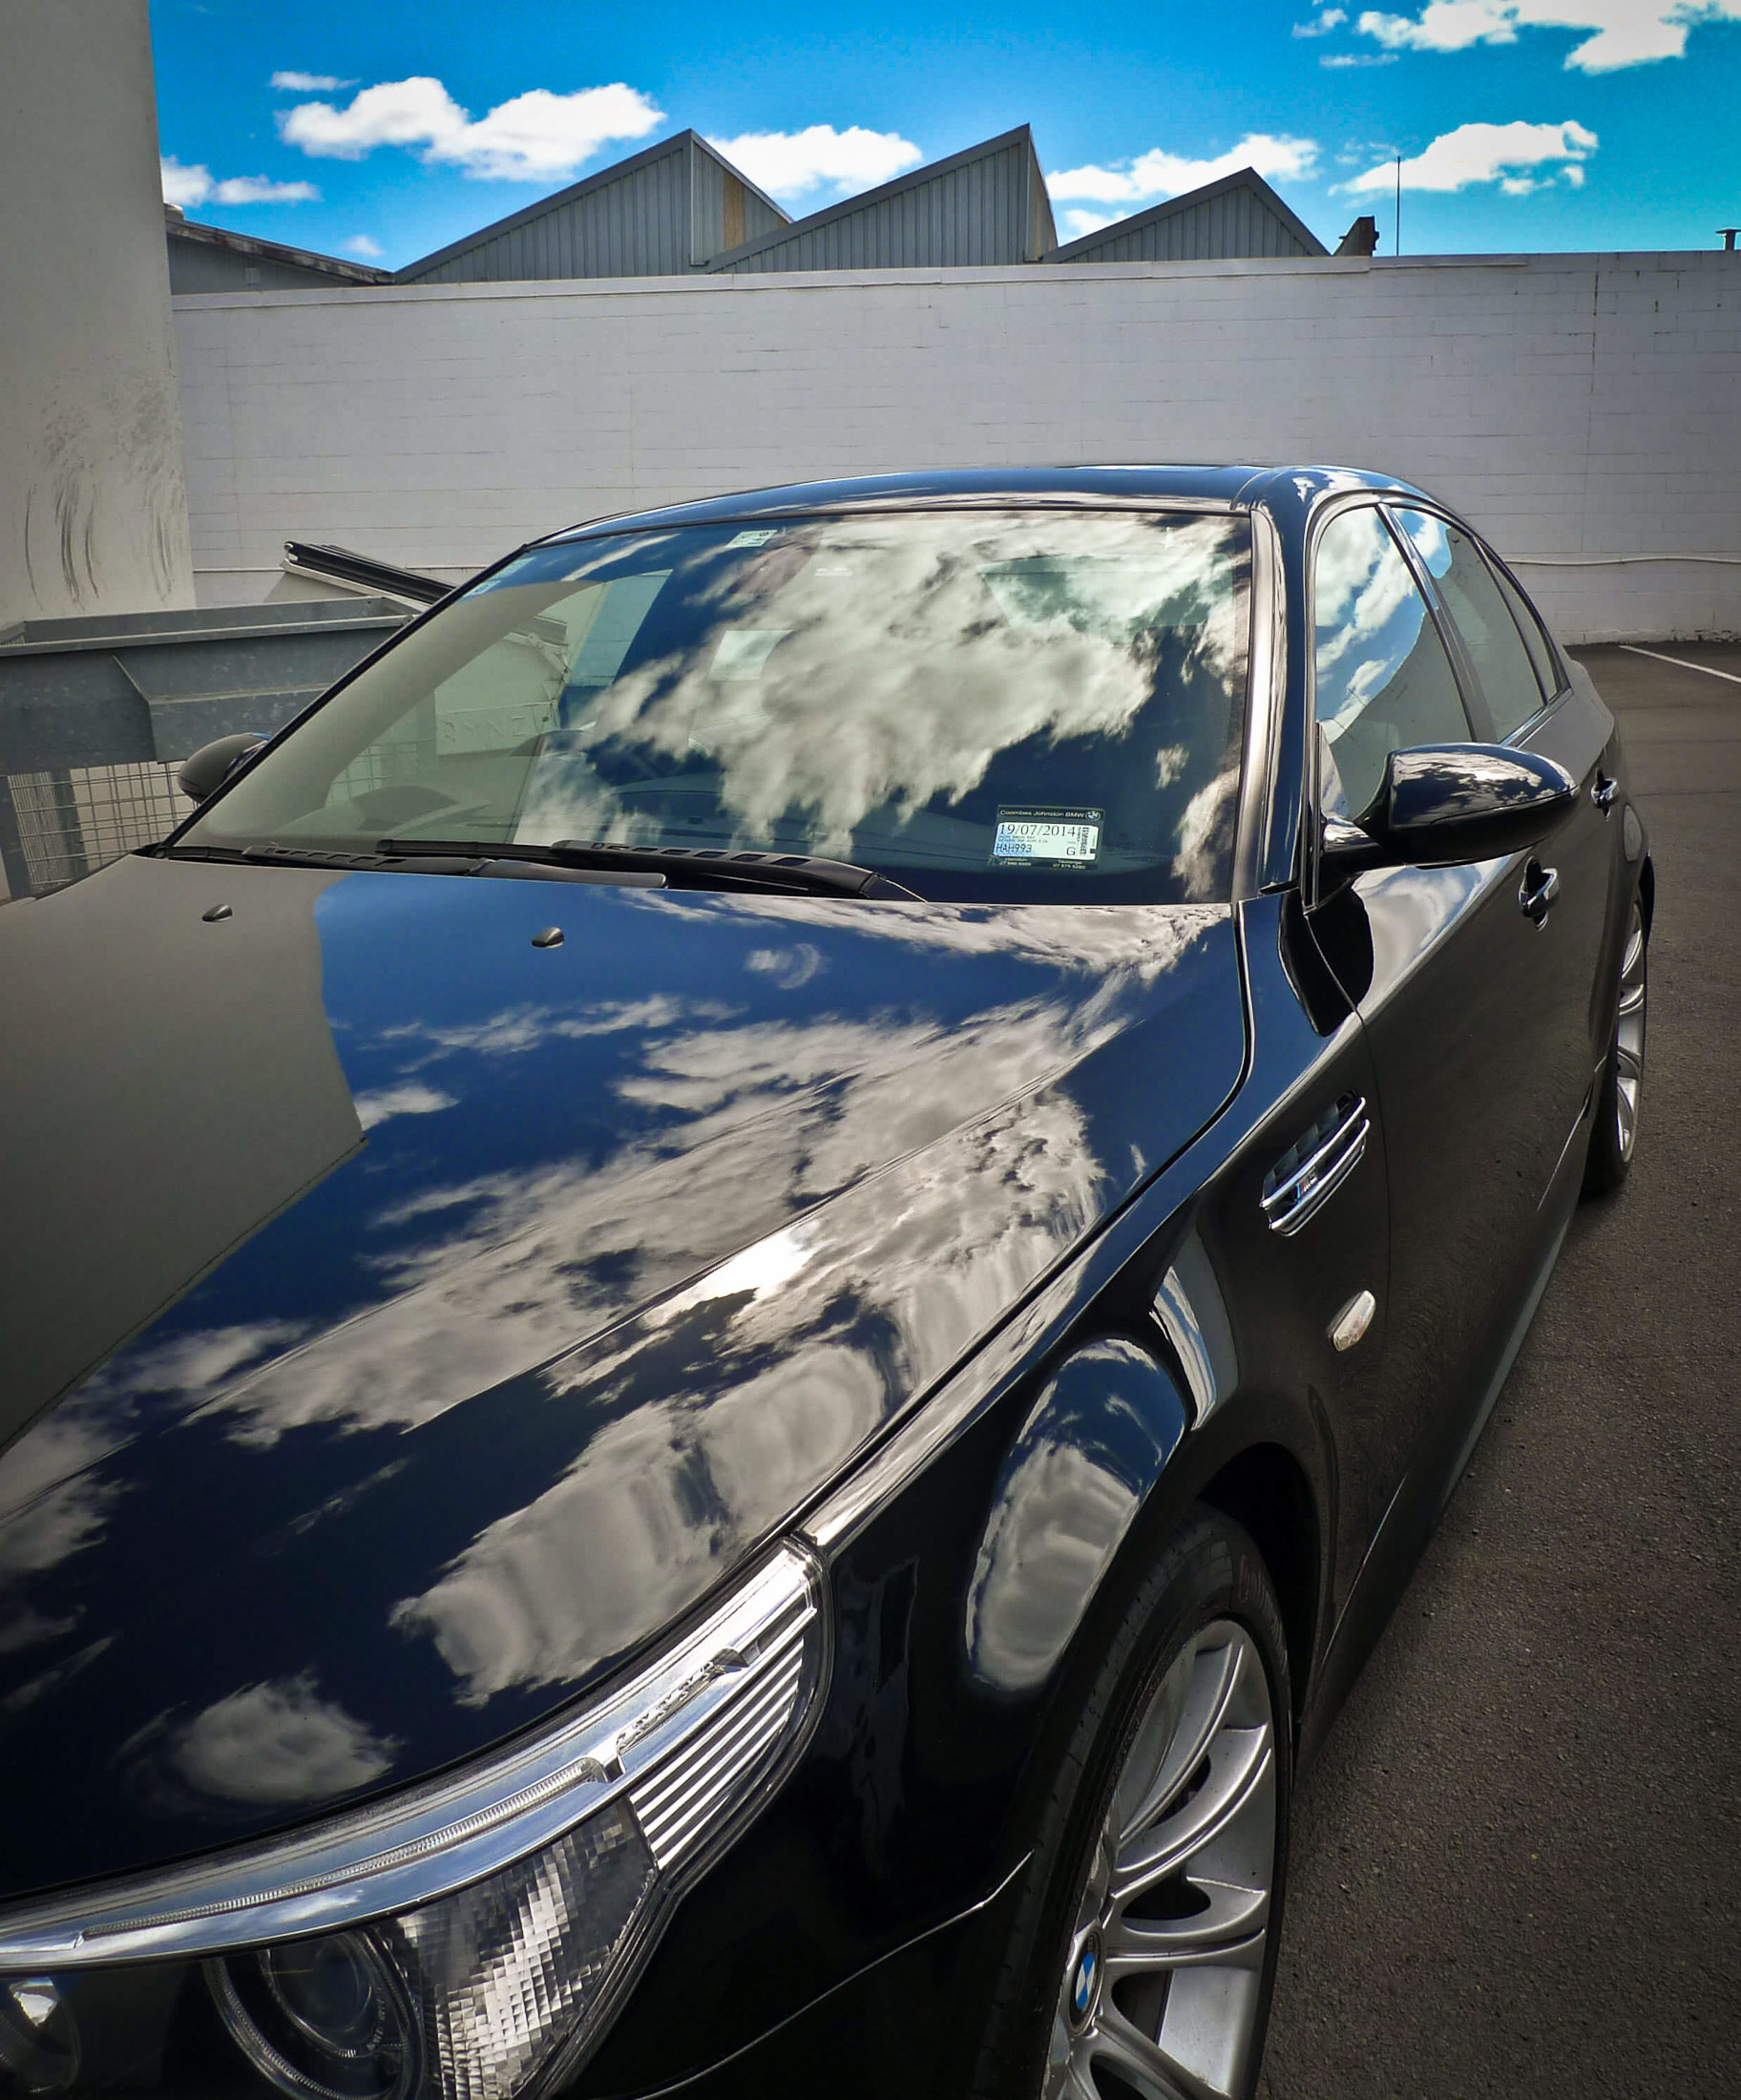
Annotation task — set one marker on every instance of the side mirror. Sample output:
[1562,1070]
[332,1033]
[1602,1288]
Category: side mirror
[1442,804]
[212,764]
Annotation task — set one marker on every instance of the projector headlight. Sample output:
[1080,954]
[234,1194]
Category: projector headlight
[469,1941]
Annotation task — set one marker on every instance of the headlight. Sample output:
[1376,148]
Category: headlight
[468,1941]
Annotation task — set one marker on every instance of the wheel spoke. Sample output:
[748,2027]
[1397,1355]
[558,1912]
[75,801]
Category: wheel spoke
[1235,1915]
[1207,2030]
[1068,2076]
[1144,2063]
[1192,1704]
[1079,2078]
[1176,1903]
[1240,1760]
[1629,1074]
[1632,961]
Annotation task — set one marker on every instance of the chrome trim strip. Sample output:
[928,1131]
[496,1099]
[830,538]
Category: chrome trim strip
[1265,695]
[1316,1198]
[1571,1137]
[675,1805]
[1314,1181]
[395,1855]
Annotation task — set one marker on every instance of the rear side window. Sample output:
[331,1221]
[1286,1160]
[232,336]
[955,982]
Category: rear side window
[1482,618]
[1384,681]
[1535,638]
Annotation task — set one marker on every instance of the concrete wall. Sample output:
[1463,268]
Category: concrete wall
[92,502]
[1584,411]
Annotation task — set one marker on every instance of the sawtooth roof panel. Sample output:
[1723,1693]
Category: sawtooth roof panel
[987,205]
[1239,215]
[661,213]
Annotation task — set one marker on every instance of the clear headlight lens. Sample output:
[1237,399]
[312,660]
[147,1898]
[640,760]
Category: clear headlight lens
[469,1942]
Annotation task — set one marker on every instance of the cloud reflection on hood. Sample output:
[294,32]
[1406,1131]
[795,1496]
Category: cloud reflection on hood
[802,1346]
[758,1122]
[744,1125]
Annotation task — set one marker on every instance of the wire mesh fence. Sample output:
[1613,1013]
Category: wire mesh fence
[73,819]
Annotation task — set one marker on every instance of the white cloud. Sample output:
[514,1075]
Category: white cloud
[535,137]
[1520,157]
[1322,23]
[361,244]
[414,1098]
[1622,32]
[786,165]
[197,185]
[279,1744]
[185,187]
[309,83]
[1157,174]
[1076,222]
[1338,61]
[256,189]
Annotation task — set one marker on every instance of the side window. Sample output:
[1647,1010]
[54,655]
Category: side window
[1535,638]
[1482,618]
[1384,681]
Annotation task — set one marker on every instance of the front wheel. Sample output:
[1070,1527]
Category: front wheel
[1149,1955]
[1614,1133]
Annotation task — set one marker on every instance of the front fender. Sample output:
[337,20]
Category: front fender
[1076,1478]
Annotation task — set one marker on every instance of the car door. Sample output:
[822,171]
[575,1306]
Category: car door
[1443,966]
[1529,700]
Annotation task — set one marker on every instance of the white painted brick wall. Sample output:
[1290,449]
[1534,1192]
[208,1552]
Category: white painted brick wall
[1576,407]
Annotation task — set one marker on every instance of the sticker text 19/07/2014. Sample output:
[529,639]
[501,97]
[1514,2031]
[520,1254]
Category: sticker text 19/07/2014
[1033,837]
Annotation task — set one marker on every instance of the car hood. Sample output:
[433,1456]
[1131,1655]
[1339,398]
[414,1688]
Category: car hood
[402,1322]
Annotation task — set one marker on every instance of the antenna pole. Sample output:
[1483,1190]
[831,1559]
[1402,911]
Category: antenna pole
[1399,204]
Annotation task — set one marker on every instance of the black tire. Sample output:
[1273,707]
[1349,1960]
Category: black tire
[1614,1127]
[1210,1572]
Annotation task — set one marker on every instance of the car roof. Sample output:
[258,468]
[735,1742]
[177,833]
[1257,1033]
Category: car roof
[1237,483]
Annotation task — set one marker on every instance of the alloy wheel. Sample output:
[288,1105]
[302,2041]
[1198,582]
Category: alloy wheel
[1630,1036]
[1163,1974]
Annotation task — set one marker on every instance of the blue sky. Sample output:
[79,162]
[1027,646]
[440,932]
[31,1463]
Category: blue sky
[384,129]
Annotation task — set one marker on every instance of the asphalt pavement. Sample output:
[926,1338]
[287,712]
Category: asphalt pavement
[1517,1864]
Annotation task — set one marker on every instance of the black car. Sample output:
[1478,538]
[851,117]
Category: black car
[732,1299]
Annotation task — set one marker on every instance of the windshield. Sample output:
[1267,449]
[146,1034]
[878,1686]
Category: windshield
[1037,705]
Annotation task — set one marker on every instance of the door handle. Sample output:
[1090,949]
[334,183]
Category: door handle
[1602,791]
[1537,891]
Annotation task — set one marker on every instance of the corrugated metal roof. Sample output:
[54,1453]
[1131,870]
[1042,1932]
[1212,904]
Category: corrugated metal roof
[660,213]
[1239,215]
[987,205]
[211,259]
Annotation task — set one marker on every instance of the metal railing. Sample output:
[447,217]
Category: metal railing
[96,715]
[72,820]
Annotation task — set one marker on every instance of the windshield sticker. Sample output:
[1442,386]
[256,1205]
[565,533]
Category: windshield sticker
[754,540]
[1046,838]
[743,651]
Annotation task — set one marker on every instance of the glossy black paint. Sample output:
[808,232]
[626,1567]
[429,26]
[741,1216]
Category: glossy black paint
[429,1319]
[573,1271]
[204,774]
[1453,803]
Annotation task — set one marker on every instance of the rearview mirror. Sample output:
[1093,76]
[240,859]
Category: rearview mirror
[1445,804]
[212,764]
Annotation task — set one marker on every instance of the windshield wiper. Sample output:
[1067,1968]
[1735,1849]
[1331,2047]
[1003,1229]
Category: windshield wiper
[688,867]
[268,851]
[577,860]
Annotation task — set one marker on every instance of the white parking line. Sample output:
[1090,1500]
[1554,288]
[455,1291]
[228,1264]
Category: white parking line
[1681,663]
